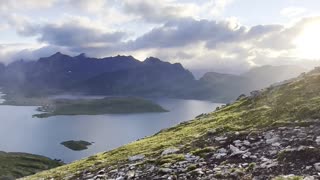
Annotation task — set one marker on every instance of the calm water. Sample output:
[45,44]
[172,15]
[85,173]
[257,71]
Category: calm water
[19,132]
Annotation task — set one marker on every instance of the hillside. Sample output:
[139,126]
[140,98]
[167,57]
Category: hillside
[15,165]
[273,132]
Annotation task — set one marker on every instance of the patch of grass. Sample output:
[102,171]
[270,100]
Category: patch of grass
[191,167]
[288,178]
[202,151]
[172,158]
[110,105]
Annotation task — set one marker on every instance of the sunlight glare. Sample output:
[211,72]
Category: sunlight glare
[308,42]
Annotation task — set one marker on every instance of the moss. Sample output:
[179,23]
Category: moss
[172,158]
[288,178]
[251,167]
[191,167]
[202,151]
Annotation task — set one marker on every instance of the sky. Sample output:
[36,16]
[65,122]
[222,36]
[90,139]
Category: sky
[229,36]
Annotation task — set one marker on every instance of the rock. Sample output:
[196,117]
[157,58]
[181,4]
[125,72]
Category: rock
[317,166]
[222,150]
[246,142]
[130,174]
[272,140]
[309,178]
[165,170]
[235,150]
[169,151]
[191,158]
[318,140]
[136,157]
[276,144]
[221,138]
[120,178]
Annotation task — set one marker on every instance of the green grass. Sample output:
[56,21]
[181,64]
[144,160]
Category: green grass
[291,103]
[110,105]
[76,145]
[15,165]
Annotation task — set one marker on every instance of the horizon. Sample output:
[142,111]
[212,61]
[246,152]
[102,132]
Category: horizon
[216,35]
[196,73]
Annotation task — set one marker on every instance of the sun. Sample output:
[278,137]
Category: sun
[308,42]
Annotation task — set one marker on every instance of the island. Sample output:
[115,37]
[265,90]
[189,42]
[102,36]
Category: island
[17,165]
[108,105]
[76,145]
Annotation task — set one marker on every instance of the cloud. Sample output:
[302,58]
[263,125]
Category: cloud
[292,11]
[73,32]
[89,6]
[186,31]
[162,11]
[190,32]
[157,10]
[7,5]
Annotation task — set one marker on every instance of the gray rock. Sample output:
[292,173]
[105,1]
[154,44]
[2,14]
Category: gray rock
[309,178]
[318,140]
[221,138]
[235,150]
[120,178]
[169,151]
[136,157]
[165,170]
[272,140]
[317,166]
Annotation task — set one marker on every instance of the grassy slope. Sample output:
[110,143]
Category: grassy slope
[21,164]
[112,105]
[294,101]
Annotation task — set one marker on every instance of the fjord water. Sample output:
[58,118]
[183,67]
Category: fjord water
[19,132]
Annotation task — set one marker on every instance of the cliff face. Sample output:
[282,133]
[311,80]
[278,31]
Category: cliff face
[271,134]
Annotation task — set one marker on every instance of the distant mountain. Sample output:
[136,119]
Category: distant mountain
[226,87]
[266,75]
[223,87]
[119,75]
[152,77]
[125,75]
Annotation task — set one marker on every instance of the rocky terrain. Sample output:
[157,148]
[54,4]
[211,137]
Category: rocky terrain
[291,151]
[271,134]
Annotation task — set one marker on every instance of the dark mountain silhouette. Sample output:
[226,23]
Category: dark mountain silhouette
[125,75]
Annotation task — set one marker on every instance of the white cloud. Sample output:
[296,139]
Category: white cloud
[90,6]
[26,4]
[292,11]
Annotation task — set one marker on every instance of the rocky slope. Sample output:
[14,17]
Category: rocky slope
[272,134]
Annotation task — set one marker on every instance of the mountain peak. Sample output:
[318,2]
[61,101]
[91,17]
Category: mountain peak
[57,54]
[82,55]
[152,60]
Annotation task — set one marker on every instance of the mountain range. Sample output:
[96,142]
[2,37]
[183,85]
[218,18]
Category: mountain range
[125,75]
